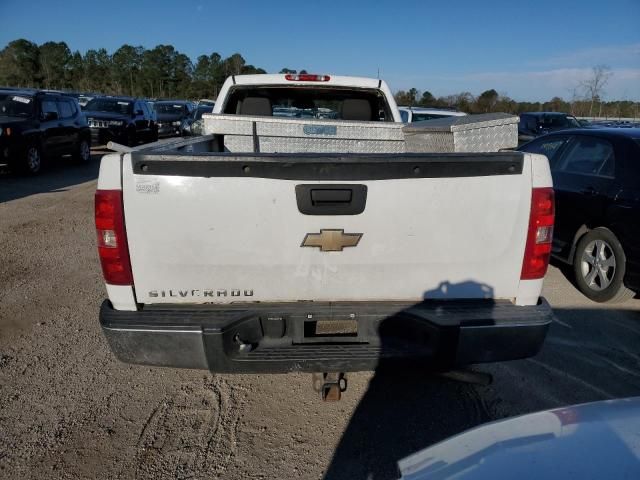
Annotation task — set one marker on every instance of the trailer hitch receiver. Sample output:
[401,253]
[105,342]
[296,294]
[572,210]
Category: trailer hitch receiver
[330,385]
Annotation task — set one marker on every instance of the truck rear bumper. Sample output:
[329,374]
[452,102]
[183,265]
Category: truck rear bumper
[317,337]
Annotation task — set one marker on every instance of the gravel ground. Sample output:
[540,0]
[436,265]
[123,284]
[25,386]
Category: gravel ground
[68,409]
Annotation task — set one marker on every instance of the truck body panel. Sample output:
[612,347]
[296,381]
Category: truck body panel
[445,237]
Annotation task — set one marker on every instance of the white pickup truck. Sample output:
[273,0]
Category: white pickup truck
[263,261]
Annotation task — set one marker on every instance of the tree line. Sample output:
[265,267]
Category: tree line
[164,72]
[586,100]
[161,72]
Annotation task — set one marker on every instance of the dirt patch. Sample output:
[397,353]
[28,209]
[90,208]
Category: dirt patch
[69,409]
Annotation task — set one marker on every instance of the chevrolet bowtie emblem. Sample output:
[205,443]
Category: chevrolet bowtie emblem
[331,240]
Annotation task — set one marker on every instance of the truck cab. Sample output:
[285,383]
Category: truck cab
[311,96]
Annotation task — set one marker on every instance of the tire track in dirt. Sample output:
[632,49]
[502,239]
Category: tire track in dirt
[191,433]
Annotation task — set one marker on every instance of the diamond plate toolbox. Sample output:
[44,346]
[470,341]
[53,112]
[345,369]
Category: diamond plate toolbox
[286,135]
[487,132]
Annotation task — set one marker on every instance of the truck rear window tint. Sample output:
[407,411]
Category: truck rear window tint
[304,102]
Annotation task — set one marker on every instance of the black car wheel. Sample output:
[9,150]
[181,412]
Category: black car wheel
[599,266]
[32,160]
[83,151]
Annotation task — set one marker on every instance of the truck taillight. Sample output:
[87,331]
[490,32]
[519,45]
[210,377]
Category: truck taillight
[306,77]
[112,238]
[538,248]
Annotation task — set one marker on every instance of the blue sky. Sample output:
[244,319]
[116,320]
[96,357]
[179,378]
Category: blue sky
[529,50]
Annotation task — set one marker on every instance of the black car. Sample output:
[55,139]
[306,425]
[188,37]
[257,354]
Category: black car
[596,177]
[171,116]
[193,125]
[35,124]
[120,119]
[534,124]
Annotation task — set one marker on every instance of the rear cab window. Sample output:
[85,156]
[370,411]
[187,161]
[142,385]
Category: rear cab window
[304,102]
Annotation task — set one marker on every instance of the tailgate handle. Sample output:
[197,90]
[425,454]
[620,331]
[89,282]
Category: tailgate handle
[331,199]
[322,196]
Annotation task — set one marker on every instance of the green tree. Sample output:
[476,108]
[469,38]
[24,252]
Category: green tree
[97,68]
[486,102]
[20,64]
[460,101]
[427,99]
[153,72]
[556,104]
[54,60]
[233,65]
[251,70]
[74,74]
[127,62]
[180,75]
[406,98]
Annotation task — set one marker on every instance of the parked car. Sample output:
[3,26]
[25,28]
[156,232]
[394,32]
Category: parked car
[35,124]
[534,124]
[171,115]
[193,124]
[418,114]
[151,104]
[596,176]
[592,440]
[85,98]
[121,119]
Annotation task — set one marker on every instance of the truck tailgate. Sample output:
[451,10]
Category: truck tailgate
[222,228]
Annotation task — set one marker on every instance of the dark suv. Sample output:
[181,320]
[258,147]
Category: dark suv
[36,124]
[534,124]
[172,116]
[124,120]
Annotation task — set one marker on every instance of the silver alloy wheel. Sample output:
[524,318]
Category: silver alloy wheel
[85,151]
[33,159]
[598,265]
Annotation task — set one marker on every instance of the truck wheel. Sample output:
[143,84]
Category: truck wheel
[599,266]
[83,151]
[32,160]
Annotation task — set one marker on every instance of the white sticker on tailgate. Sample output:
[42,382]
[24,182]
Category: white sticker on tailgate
[147,186]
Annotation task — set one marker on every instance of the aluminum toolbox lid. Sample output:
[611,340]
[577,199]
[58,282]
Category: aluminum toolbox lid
[230,124]
[460,124]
